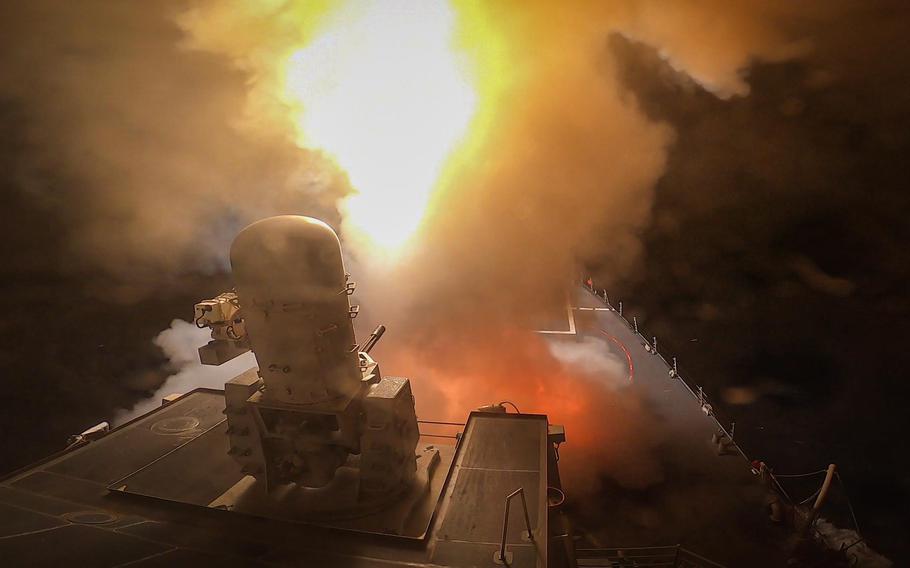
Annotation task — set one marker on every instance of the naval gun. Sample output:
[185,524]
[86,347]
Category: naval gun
[318,408]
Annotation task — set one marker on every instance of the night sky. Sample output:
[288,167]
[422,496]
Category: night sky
[775,264]
[790,284]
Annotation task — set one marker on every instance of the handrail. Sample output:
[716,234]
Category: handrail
[450,430]
[501,556]
[442,422]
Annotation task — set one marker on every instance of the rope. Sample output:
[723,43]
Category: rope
[781,489]
[775,476]
[849,504]
[811,497]
[801,474]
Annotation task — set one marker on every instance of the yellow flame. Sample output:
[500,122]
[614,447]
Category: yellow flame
[384,91]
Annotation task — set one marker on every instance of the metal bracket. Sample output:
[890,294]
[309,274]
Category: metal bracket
[348,288]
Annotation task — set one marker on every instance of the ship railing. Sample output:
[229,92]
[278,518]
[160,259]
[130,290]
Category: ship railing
[673,367]
[640,557]
[702,399]
[440,429]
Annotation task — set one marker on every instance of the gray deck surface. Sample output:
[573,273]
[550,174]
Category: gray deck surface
[710,504]
[61,511]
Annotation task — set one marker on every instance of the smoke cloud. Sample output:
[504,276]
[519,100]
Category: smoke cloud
[180,343]
[160,165]
[166,121]
[607,422]
[163,120]
[566,173]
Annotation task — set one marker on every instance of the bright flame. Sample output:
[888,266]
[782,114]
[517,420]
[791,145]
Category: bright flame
[383,90]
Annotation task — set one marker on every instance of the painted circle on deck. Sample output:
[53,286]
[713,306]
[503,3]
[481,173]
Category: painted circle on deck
[625,351]
[175,425]
[90,517]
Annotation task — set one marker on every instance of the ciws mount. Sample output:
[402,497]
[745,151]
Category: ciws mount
[317,418]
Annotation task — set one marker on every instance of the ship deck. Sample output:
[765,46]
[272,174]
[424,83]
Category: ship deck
[709,503]
[147,495]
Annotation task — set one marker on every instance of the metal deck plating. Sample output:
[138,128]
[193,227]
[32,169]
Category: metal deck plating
[149,495]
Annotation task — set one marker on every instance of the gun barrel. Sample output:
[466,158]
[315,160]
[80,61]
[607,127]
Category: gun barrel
[374,338]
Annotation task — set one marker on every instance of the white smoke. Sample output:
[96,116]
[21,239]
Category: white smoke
[180,344]
[593,357]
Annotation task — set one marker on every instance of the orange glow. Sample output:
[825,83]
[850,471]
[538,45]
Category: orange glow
[383,89]
[610,427]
